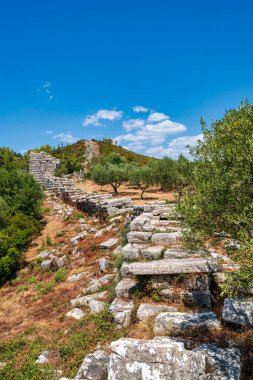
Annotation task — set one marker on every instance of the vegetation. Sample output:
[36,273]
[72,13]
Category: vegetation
[222,185]
[20,198]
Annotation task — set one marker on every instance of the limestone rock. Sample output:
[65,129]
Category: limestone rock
[166,323]
[126,287]
[77,276]
[238,312]
[94,367]
[46,264]
[165,266]
[146,310]
[223,363]
[104,264]
[86,299]
[131,252]
[138,237]
[61,261]
[122,311]
[152,253]
[77,238]
[165,238]
[157,359]
[75,313]
[43,358]
[109,243]
[96,306]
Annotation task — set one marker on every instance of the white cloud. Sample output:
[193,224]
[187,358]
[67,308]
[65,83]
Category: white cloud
[175,147]
[95,118]
[46,88]
[47,133]
[139,109]
[131,124]
[135,147]
[153,133]
[157,116]
[66,138]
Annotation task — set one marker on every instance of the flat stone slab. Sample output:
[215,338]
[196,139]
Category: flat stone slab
[86,299]
[165,238]
[138,237]
[165,266]
[109,243]
[121,311]
[166,323]
[146,310]
[94,367]
[223,363]
[157,359]
[238,312]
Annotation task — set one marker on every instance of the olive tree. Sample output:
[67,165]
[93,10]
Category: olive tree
[143,177]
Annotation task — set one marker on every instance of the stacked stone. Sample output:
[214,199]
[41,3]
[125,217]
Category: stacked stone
[154,254]
[42,167]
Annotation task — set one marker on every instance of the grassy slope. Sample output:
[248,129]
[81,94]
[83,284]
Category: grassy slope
[77,151]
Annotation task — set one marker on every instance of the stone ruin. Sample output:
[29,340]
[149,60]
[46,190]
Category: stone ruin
[156,263]
[42,167]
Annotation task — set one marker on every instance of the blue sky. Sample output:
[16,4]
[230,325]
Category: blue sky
[76,69]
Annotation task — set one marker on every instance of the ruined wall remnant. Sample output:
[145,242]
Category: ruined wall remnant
[42,167]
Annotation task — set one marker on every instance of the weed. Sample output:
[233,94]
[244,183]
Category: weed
[60,233]
[60,275]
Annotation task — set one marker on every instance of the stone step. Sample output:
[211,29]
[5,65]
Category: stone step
[166,323]
[166,266]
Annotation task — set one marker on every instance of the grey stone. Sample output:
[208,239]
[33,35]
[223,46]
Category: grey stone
[109,243]
[165,266]
[141,223]
[118,250]
[138,237]
[129,251]
[157,359]
[238,312]
[43,358]
[43,255]
[61,261]
[166,323]
[77,238]
[77,276]
[197,298]
[146,310]
[75,313]
[104,264]
[223,363]
[152,253]
[46,264]
[121,311]
[86,299]
[126,287]
[96,306]
[165,238]
[94,367]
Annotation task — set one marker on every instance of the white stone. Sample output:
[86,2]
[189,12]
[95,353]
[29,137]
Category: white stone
[43,358]
[126,287]
[152,253]
[146,310]
[238,312]
[122,311]
[75,313]
[109,243]
[61,261]
[46,264]
[96,306]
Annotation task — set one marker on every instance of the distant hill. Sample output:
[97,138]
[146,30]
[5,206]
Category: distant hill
[77,151]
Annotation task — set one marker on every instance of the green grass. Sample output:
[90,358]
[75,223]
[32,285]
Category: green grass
[82,338]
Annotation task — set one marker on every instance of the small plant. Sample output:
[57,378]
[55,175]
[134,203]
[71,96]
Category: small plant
[48,241]
[123,234]
[60,233]
[155,296]
[60,275]
[31,280]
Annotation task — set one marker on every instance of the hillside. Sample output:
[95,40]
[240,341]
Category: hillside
[77,152]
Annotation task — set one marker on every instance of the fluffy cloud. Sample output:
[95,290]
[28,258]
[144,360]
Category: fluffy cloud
[95,119]
[175,147]
[157,116]
[139,109]
[131,124]
[152,133]
[46,88]
[65,138]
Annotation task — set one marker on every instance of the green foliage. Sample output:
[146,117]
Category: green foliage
[221,197]
[165,173]
[20,198]
[222,177]
[143,177]
[60,275]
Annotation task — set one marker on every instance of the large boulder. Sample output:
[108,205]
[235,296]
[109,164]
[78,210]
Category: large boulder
[94,367]
[223,363]
[166,323]
[161,359]
[238,312]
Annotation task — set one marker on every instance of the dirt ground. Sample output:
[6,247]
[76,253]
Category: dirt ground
[152,194]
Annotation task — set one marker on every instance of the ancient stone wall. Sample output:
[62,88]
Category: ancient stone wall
[42,167]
